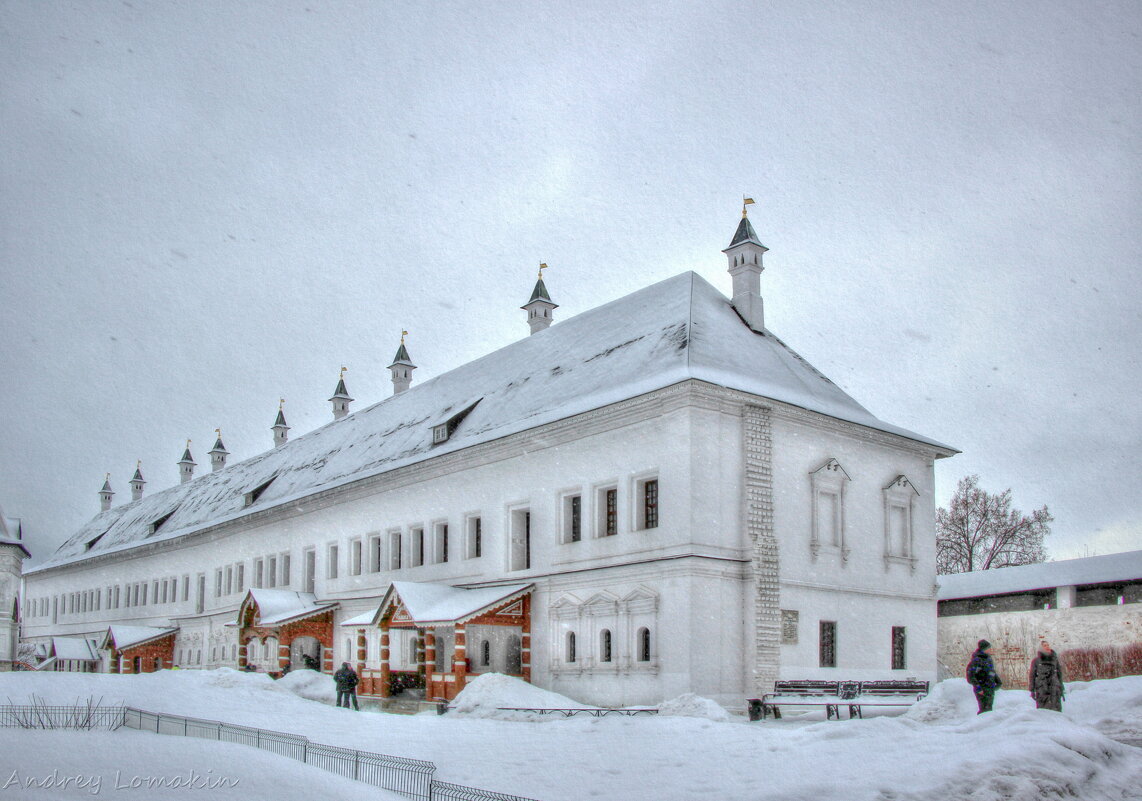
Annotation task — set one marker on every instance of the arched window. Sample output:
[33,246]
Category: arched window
[349,655]
[485,653]
[252,651]
[605,646]
[570,646]
[643,644]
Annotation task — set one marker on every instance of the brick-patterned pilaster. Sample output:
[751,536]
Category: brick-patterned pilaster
[386,671]
[525,640]
[430,664]
[757,439]
[362,650]
[283,657]
[460,657]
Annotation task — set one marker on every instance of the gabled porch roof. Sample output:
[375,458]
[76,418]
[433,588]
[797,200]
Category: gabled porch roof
[275,607]
[76,648]
[427,604]
[120,638]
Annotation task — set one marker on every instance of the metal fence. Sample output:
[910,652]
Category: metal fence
[409,777]
[76,716]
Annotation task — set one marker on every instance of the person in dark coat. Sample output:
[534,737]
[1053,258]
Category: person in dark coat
[346,679]
[982,677]
[1045,679]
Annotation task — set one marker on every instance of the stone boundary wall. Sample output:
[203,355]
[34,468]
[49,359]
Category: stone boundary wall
[1015,636]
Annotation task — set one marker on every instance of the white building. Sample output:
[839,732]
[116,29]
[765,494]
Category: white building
[656,496]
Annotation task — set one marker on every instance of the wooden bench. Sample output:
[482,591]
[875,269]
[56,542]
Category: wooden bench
[797,693]
[834,694]
[887,693]
[595,712]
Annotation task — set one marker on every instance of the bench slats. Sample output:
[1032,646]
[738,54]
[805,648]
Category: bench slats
[833,694]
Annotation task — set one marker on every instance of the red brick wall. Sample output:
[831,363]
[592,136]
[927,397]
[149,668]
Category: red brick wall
[161,649]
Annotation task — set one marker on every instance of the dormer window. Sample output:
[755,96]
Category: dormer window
[253,495]
[91,543]
[443,431]
[157,524]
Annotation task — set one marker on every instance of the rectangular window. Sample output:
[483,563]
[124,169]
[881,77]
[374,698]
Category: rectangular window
[475,537]
[200,600]
[229,581]
[572,518]
[240,576]
[828,643]
[166,589]
[899,661]
[310,557]
[417,535]
[394,550]
[116,596]
[355,557]
[334,558]
[520,539]
[218,583]
[648,491]
[285,563]
[440,535]
[259,573]
[375,553]
[608,512]
[271,571]
[186,587]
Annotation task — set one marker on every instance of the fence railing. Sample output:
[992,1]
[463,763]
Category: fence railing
[413,778]
[75,716]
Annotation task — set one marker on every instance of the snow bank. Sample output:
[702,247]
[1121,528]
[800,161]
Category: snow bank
[940,749]
[689,705]
[311,685]
[483,696]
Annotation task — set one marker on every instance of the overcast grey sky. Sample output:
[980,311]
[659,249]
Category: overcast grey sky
[207,206]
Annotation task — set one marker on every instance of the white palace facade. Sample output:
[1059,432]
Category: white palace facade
[654,497]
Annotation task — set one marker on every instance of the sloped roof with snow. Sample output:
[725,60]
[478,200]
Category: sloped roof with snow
[74,648]
[441,603]
[121,637]
[1065,573]
[281,606]
[678,329]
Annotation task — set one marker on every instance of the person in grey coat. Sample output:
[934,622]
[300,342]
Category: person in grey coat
[1045,679]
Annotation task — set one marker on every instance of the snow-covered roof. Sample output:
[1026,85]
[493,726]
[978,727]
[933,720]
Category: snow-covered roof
[1089,570]
[678,329]
[363,619]
[12,532]
[441,603]
[122,637]
[74,648]
[281,606]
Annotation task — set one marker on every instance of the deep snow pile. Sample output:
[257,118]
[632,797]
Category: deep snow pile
[311,685]
[689,705]
[487,694]
[941,749]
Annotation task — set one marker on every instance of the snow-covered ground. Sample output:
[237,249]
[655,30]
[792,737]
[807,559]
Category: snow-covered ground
[939,749]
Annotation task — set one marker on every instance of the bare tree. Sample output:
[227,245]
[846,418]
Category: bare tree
[980,531]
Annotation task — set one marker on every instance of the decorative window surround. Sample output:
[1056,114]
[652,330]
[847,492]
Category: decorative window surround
[571,516]
[632,623]
[606,510]
[899,506]
[828,521]
[644,491]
